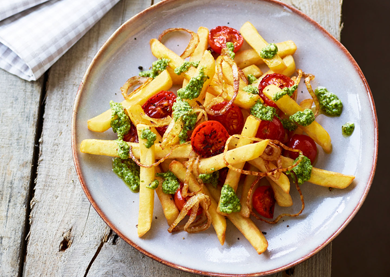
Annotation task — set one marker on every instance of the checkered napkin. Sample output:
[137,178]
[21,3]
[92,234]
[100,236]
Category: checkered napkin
[32,40]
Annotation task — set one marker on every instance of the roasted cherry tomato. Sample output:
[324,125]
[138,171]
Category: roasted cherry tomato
[132,135]
[222,34]
[180,201]
[232,120]
[304,143]
[209,138]
[271,130]
[264,201]
[160,106]
[276,79]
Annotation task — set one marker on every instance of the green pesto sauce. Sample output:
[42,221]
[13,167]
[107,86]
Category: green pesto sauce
[170,184]
[211,178]
[149,136]
[304,118]
[263,112]
[302,170]
[185,66]
[153,184]
[330,104]
[251,78]
[128,171]
[285,91]
[348,128]
[157,67]
[269,51]
[230,48]
[229,202]
[120,122]
[123,149]
[194,86]
[251,89]
[184,112]
[288,124]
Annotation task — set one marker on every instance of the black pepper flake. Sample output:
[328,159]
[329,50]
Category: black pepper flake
[288,226]
[238,238]
[171,198]
[135,38]
[228,23]
[301,91]
[115,93]
[155,217]
[330,189]
[264,233]
[136,226]
[140,68]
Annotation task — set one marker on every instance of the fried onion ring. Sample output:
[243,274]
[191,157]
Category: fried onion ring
[191,45]
[132,82]
[308,79]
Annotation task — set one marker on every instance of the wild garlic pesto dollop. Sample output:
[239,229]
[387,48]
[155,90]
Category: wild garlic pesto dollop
[304,118]
[194,87]
[302,170]
[269,51]
[348,128]
[123,149]
[170,184]
[185,66]
[157,67]
[251,89]
[330,104]
[251,78]
[230,48]
[153,184]
[262,111]
[211,178]
[229,202]
[120,122]
[288,124]
[149,136]
[183,111]
[285,91]
[128,171]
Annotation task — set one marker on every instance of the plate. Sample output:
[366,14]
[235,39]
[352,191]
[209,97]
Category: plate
[291,241]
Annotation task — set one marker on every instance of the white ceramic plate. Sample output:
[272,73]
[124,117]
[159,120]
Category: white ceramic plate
[292,240]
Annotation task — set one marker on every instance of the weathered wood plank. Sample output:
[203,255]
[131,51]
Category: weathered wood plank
[67,237]
[19,107]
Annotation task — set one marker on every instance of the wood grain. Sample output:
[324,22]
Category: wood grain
[67,237]
[19,107]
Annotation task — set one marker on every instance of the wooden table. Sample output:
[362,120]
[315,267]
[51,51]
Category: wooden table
[47,225]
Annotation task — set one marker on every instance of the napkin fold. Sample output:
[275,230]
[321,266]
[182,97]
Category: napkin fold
[32,40]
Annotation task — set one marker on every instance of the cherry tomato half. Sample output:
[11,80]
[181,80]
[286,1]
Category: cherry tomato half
[160,106]
[271,130]
[209,138]
[276,79]
[222,34]
[232,120]
[304,143]
[180,201]
[132,135]
[264,201]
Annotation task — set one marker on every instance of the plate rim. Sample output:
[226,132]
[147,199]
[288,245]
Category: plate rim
[76,162]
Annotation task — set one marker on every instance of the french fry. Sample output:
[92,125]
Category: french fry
[208,98]
[249,179]
[110,148]
[218,221]
[282,198]
[290,67]
[208,63]
[283,182]
[101,123]
[289,107]
[252,69]
[147,175]
[250,130]
[168,205]
[176,79]
[254,39]
[233,157]
[245,226]
[250,56]
[323,177]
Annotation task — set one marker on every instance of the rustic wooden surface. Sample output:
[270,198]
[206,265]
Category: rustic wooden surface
[66,237]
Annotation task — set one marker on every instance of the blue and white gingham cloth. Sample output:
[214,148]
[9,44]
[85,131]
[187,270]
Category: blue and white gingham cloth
[34,34]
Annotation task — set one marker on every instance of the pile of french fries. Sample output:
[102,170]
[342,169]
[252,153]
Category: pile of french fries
[242,149]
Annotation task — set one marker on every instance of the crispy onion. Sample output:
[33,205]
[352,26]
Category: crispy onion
[191,45]
[296,80]
[193,205]
[184,191]
[132,82]
[157,122]
[201,112]
[262,174]
[156,163]
[271,153]
[308,79]
[249,203]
